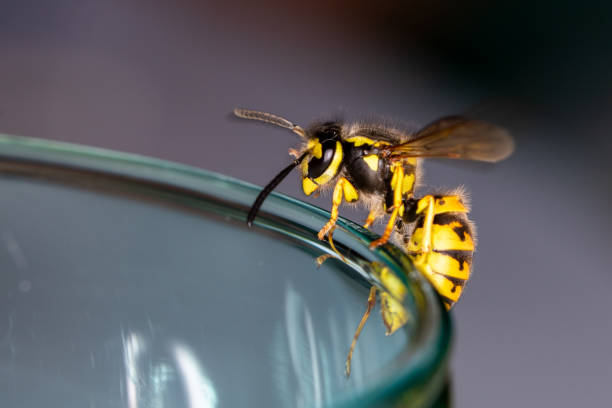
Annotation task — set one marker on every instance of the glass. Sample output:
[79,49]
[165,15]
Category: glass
[134,282]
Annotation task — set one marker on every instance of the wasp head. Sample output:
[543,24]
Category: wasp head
[324,156]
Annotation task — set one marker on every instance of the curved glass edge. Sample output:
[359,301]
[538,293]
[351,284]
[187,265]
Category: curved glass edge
[413,384]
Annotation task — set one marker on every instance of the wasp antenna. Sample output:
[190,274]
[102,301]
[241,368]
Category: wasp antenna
[270,118]
[270,187]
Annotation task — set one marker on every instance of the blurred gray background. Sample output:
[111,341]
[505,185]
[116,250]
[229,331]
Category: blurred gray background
[160,79]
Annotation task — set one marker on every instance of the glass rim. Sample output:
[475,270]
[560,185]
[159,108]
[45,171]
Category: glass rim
[433,331]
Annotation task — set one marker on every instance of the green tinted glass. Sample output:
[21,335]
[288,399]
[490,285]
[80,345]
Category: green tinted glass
[130,281]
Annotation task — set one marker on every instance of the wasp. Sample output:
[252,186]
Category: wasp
[378,166]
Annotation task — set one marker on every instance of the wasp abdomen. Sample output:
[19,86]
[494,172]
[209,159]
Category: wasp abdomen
[442,251]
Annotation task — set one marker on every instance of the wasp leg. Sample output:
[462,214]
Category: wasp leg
[321,259]
[330,238]
[364,318]
[336,200]
[429,206]
[398,206]
[342,187]
[420,253]
[325,257]
[394,314]
[428,223]
[371,218]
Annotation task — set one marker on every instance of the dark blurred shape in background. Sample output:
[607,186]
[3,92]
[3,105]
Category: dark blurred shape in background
[160,78]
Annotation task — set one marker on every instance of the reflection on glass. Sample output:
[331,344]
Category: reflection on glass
[148,382]
[150,379]
[198,387]
[132,348]
[296,356]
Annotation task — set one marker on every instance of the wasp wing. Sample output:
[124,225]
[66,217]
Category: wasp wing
[456,137]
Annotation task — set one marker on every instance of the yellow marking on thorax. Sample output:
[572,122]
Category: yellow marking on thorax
[395,173]
[408,183]
[397,187]
[350,193]
[372,161]
[360,140]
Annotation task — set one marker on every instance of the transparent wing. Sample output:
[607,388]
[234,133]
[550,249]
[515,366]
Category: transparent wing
[456,137]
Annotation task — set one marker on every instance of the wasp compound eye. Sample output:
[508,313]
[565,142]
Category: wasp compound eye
[317,166]
[328,131]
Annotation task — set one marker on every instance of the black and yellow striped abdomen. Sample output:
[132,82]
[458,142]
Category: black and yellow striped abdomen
[448,261]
